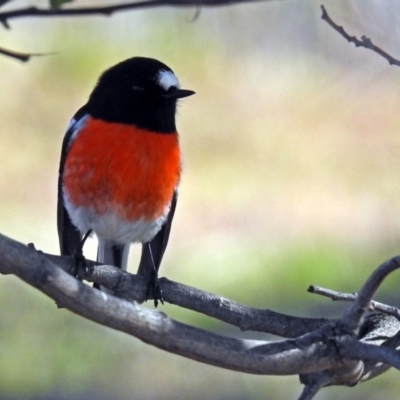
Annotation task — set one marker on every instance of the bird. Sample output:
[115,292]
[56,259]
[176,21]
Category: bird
[120,167]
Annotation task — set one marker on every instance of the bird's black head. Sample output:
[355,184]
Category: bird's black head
[140,91]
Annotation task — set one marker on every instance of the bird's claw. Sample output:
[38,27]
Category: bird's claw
[78,269]
[154,288]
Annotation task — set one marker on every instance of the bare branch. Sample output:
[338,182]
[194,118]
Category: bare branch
[373,353]
[5,16]
[311,390]
[24,57]
[2,2]
[380,332]
[321,357]
[133,288]
[108,10]
[246,318]
[348,375]
[307,353]
[352,316]
[363,42]
[339,296]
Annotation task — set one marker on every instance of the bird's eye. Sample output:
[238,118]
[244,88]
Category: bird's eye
[138,88]
[172,89]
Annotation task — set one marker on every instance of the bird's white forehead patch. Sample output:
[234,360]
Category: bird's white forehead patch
[167,79]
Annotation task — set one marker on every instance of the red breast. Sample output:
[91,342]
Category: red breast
[130,171]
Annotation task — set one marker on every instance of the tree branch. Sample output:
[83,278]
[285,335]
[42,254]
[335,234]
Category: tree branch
[133,288]
[24,57]
[109,10]
[333,352]
[363,42]
[36,12]
[2,2]
[352,316]
[155,328]
[379,330]
[339,296]
[379,334]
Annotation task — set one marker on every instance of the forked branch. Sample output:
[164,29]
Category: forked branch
[341,352]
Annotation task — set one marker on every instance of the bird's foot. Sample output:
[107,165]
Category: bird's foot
[154,288]
[78,269]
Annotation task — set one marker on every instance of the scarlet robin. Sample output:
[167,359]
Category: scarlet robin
[120,165]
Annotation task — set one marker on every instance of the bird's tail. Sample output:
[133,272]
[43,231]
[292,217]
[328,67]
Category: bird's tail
[111,253]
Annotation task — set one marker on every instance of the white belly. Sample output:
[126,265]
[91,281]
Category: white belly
[110,226]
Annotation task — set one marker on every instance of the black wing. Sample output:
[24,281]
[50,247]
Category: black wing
[158,245]
[68,235]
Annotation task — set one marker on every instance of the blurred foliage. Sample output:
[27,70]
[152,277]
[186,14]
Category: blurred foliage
[291,159]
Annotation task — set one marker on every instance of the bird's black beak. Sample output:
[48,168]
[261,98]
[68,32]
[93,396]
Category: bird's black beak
[176,93]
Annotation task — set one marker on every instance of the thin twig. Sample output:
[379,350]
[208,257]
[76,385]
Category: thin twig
[363,42]
[108,10]
[24,57]
[339,296]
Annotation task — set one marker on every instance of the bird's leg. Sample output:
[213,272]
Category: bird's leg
[154,284]
[79,261]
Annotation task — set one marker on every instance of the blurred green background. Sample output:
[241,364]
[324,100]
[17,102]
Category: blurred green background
[291,167]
